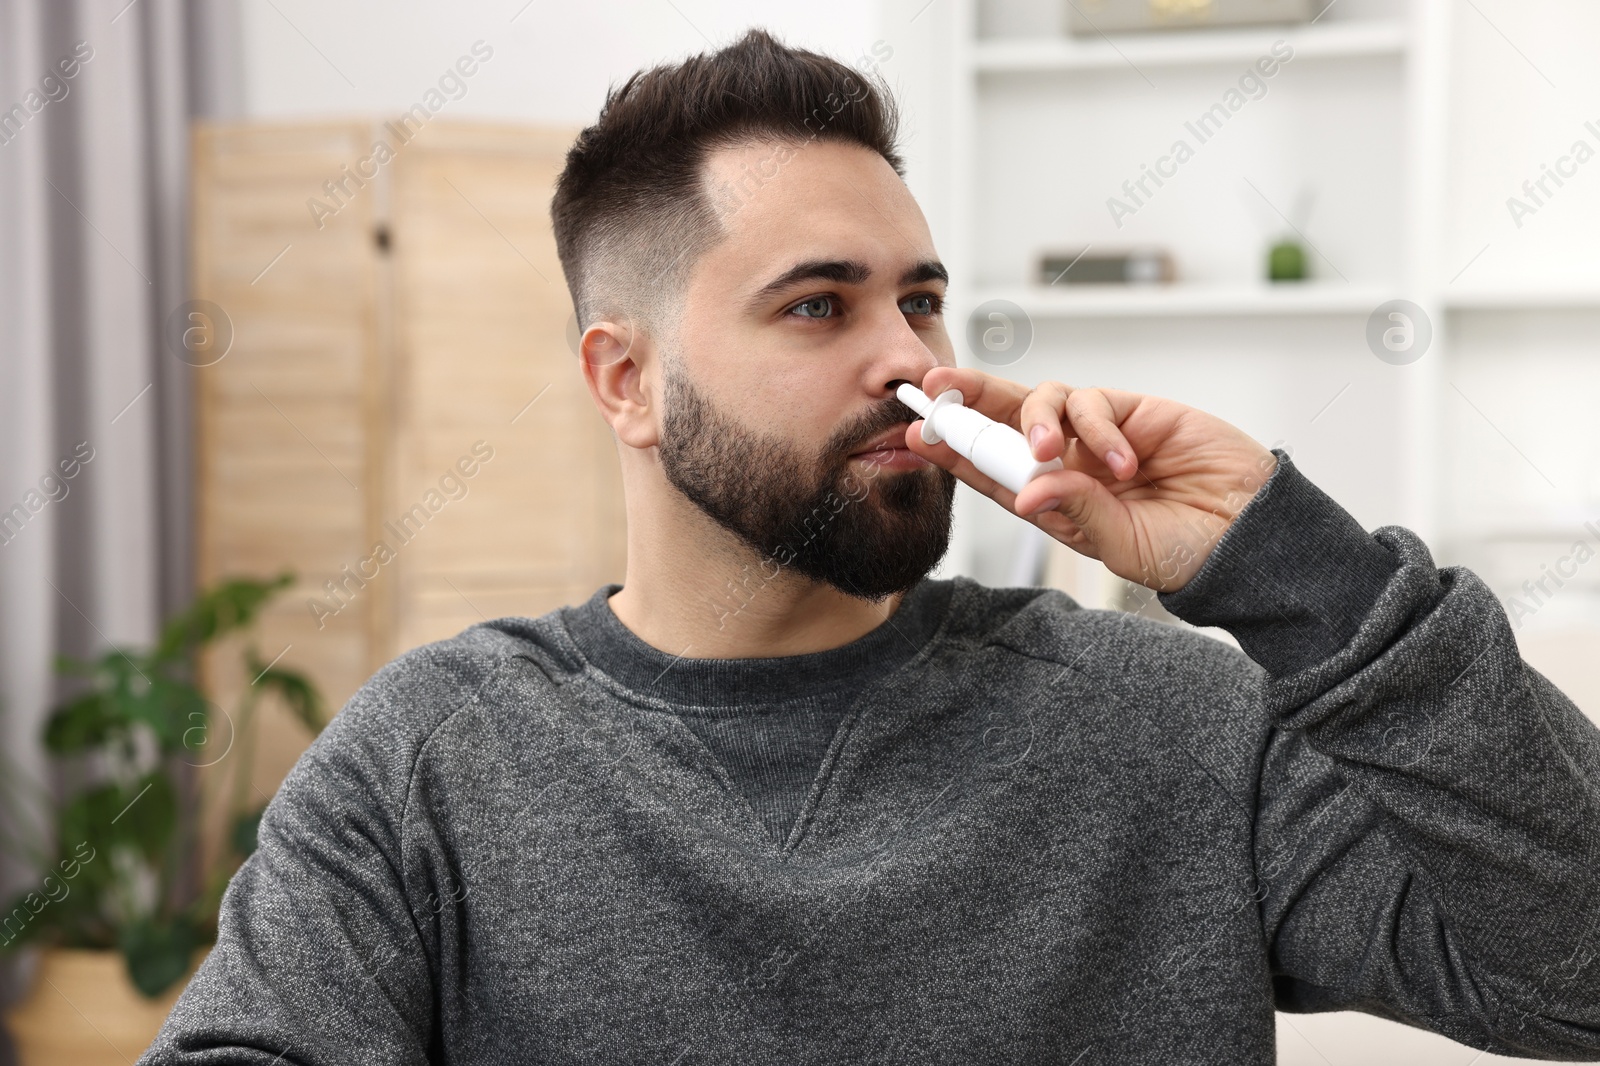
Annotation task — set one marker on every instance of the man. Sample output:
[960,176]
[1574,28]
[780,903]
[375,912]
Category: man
[780,797]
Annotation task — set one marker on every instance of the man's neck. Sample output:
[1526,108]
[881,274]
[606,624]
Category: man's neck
[737,608]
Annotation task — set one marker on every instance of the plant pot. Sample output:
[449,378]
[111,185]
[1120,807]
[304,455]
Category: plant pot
[84,1011]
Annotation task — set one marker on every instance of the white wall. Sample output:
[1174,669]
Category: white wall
[552,61]
[1525,83]
[1521,461]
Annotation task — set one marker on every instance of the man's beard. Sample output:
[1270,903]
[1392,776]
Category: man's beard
[867,532]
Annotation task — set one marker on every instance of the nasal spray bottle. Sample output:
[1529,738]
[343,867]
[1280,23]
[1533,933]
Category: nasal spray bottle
[994,448]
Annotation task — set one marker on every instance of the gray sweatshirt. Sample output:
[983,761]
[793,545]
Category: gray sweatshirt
[1000,828]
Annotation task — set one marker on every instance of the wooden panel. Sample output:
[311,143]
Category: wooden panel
[286,461]
[481,312]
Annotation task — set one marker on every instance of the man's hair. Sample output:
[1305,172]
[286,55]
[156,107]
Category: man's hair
[631,209]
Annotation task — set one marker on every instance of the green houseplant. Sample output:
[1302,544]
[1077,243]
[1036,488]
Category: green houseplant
[120,869]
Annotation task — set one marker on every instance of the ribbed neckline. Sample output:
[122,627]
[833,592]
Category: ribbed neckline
[617,651]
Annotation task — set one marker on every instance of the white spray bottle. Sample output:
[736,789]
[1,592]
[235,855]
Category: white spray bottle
[994,448]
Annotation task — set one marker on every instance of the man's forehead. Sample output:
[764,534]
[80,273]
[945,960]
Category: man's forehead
[782,205]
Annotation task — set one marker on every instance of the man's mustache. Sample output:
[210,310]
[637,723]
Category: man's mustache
[850,437]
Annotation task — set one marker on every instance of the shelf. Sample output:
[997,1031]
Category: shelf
[1192,300]
[1188,47]
[1557,297]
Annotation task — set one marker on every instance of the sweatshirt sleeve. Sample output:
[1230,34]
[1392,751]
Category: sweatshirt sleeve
[318,960]
[1427,828]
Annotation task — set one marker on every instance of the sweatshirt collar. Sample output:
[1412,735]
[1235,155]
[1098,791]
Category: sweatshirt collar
[618,652]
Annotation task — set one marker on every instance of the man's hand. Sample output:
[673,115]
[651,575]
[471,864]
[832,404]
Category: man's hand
[1149,486]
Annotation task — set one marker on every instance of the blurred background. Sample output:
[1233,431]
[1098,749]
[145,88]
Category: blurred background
[287,382]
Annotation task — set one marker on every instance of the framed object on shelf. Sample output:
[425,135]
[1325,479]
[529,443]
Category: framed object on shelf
[1094,17]
[1134,266]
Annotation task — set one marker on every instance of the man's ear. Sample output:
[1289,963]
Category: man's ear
[619,367]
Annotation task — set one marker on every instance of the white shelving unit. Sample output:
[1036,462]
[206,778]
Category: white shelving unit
[1052,80]
[1572,297]
[1188,300]
[1032,129]
[1187,48]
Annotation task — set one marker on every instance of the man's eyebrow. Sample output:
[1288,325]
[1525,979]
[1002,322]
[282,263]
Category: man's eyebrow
[845,272]
[927,270]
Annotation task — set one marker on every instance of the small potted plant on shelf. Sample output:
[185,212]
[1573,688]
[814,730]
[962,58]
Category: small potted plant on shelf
[119,905]
[1287,258]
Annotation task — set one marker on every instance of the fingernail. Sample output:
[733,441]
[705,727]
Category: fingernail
[1035,435]
[1049,505]
[1113,460]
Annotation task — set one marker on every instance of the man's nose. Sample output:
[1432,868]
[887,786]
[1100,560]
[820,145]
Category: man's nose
[902,357]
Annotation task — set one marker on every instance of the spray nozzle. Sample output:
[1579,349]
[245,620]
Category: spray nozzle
[918,401]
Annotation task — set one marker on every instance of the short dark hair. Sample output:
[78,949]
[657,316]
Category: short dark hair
[631,212]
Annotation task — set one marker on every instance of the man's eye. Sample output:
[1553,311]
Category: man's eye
[816,307]
[925,303]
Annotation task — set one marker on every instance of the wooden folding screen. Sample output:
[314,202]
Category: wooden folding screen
[389,406]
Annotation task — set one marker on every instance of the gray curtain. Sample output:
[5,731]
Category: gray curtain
[95,104]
